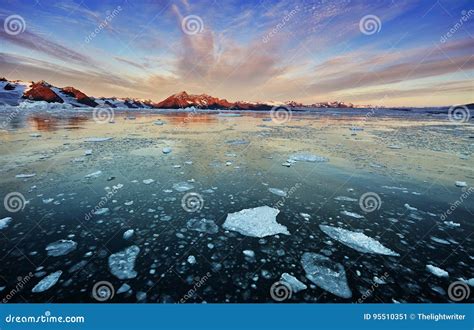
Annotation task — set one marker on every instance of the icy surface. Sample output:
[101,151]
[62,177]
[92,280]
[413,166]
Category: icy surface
[256,222]
[122,263]
[47,282]
[307,157]
[357,241]
[5,222]
[327,274]
[60,248]
[182,186]
[295,284]
[278,192]
[437,271]
[203,226]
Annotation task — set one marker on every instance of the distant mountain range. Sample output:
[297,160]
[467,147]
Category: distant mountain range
[18,92]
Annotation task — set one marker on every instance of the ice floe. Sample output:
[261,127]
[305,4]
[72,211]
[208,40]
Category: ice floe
[124,288]
[166,150]
[148,181]
[47,282]
[94,174]
[345,199]
[327,274]
[5,222]
[128,234]
[278,192]
[25,175]
[295,284]
[98,139]
[352,214]
[460,184]
[255,222]
[182,186]
[60,248]
[307,157]
[101,211]
[203,226]
[437,271]
[122,263]
[357,241]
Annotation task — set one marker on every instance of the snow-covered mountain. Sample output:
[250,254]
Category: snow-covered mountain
[27,94]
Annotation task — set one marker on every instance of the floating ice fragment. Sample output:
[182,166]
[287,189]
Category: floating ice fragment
[182,186]
[122,263]
[148,181]
[306,216]
[237,142]
[307,157]
[357,241]
[255,222]
[286,164]
[88,152]
[159,123]
[249,253]
[124,288]
[25,176]
[460,184]
[452,224]
[278,192]
[47,282]
[35,135]
[295,284]
[98,139]
[410,208]
[60,248]
[439,240]
[101,211]
[203,226]
[166,150]
[437,271]
[47,200]
[128,234]
[5,222]
[192,259]
[326,274]
[345,199]
[94,174]
[393,146]
[352,214]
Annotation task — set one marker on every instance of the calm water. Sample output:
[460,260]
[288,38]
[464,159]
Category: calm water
[230,163]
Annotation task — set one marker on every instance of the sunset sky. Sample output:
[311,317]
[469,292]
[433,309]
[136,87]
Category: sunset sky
[306,51]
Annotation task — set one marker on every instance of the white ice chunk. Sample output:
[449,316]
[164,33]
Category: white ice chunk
[307,157]
[327,274]
[278,192]
[25,175]
[128,234]
[437,271]
[352,214]
[94,174]
[357,241]
[256,222]
[47,282]
[167,150]
[101,211]
[61,247]
[5,222]
[148,181]
[192,259]
[345,199]
[182,186]
[460,184]
[124,288]
[98,139]
[295,284]
[122,263]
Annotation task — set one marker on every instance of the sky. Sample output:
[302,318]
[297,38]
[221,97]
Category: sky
[389,53]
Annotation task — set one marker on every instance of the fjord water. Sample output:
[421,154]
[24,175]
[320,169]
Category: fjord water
[411,162]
